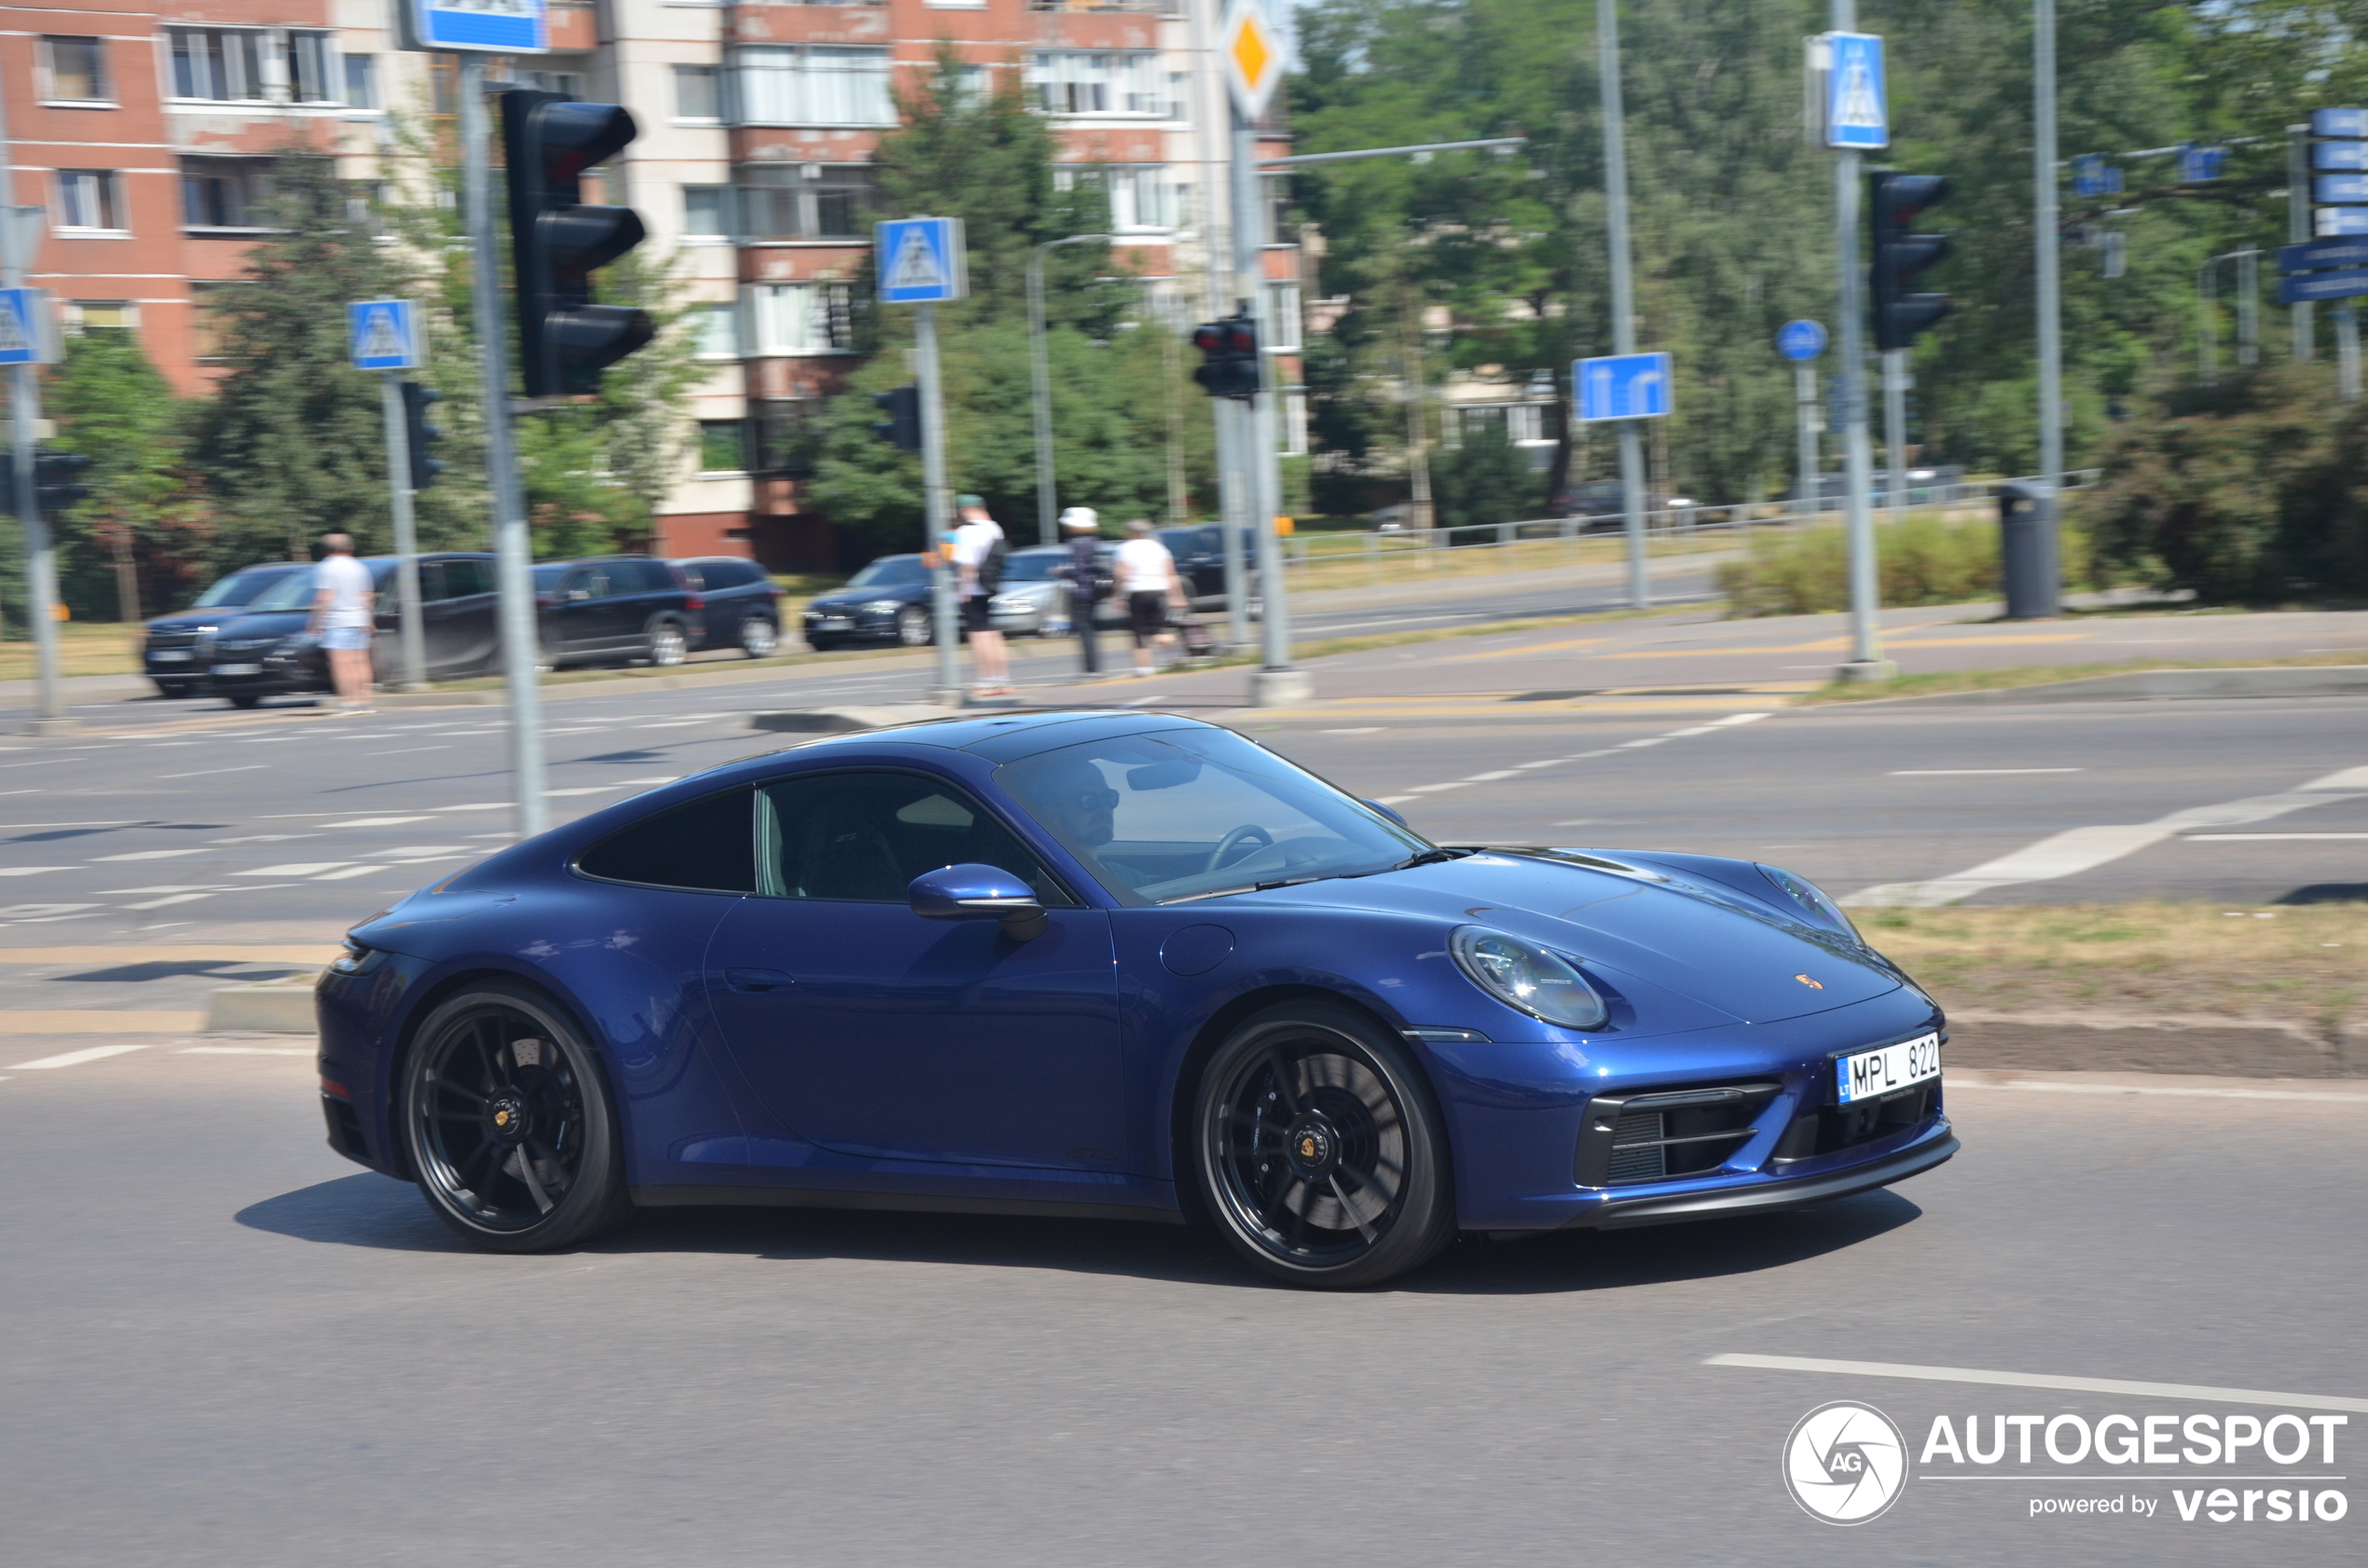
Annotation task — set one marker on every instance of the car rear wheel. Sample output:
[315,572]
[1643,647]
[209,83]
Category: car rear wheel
[668,646]
[243,699]
[1318,1149]
[506,1120]
[822,644]
[175,688]
[912,627]
[758,637]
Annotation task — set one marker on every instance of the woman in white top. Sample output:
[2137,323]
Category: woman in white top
[343,613]
[1147,577]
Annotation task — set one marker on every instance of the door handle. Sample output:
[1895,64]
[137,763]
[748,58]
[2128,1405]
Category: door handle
[758,982]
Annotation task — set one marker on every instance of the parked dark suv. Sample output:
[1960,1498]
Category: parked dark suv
[613,608]
[734,604]
[266,651]
[889,599]
[174,649]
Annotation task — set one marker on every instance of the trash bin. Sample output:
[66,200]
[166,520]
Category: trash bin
[2027,553]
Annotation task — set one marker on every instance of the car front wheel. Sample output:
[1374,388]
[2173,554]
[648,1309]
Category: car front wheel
[507,1123]
[912,627]
[758,637]
[668,646]
[1318,1149]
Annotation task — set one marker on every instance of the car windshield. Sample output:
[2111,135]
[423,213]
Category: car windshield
[1033,565]
[890,572]
[1191,814]
[291,592]
[240,587]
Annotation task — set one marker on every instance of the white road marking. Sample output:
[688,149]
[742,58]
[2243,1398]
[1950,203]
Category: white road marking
[2248,838]
[146,855]
[423,850]
[407,751]
[30,870]
[242,1051]
[379,821]
[251,768]
[2309,1094]
[177,898]
[586,790]
[299,868]
[1370,729]
[479,805]
[75,1058]
[2041,1380]
[348,871]
[1393,800]
[1435,788]
[2082,850]
[1964,772]
[1493,777]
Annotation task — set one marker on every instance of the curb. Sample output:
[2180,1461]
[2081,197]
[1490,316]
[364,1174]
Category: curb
[260,1010]
[2110,1042]
[842,721]
[2156,685]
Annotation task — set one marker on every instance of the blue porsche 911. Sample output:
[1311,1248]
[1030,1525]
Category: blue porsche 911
[1119,965]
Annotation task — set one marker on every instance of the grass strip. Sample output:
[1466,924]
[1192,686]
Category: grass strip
[2013,676]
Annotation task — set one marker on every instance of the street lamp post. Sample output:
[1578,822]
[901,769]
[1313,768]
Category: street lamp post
[1040,383]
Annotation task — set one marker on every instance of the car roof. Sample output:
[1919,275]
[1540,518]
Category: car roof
[1004,738]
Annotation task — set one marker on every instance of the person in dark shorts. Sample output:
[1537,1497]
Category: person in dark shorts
[1147,576]
[1086,579]
[978,558]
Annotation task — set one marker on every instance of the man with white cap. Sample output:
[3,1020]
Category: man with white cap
[1089,582]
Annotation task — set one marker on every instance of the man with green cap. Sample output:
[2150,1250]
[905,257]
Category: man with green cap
[979,551]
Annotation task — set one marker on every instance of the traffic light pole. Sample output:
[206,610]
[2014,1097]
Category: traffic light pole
[2049,241]
[406,541]
[1867,661]
[936,508]
[1277,684]
[514,552]
[1809,413]
[17,230]
[1632,433]
[1895,428]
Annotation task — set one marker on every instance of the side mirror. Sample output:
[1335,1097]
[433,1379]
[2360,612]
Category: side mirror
[972,891]
[1376,806]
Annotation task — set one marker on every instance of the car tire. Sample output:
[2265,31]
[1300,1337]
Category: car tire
[243,699]
[516,1150]
[822,644]
[912,629]
[667,646]
[759,638]
[1297,1120]
[176,688]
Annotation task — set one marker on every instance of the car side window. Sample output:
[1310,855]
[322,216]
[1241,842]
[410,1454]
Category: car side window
[642,577]
[464,578]
[862,837]
[586,585]
[705,846]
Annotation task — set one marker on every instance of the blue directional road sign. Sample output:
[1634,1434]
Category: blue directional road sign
[2197,164]
[1621,387]
[493,26]
[2306,286]
[921,261]
[2339,187]
[2339,123]
[2323,254]
[385,334]
[2338,155]
[2093,176]
[1802,339]
[1856,107]
[2341,220]
[22,315]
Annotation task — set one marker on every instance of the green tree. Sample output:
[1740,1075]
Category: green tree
[131,544]
[1484,479]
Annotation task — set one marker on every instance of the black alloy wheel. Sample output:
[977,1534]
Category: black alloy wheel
[507,1122]
[1319,1150]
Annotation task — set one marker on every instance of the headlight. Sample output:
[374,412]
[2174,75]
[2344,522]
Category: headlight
[884,607]
[1812,899]
[1011,604]
[1525,976]
[357,960]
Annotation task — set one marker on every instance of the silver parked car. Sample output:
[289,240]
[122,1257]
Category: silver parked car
[1034,602]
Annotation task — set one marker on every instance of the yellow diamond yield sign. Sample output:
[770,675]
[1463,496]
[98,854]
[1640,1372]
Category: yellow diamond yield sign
[1253,61]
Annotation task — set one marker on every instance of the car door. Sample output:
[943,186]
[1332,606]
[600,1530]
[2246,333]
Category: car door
[468,617]
[869,1030]
[644,588]
[577,621]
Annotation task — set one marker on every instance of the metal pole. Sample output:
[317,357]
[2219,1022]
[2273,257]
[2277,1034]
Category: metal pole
[2208,323]
[2347,353]
[1809,417]
[1233,512]
[2305,331]
[2247,308]
[937,508]
[513,550]
[1277,684]
[1039,366]
[1632,447]
[1895,429]
[406,541]
[18,227]
[1211,117]
[1866,662]
[2045,225]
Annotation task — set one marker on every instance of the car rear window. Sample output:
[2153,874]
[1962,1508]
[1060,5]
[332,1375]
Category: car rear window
[640,577]
[706,846]
[725,574]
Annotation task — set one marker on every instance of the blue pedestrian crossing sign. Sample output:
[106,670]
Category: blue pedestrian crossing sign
[1857,112]
[1621,387]
[385,334]
[488,26]
[25,318]
[1801,340]
[921,261]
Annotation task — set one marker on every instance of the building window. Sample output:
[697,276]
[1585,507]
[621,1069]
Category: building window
[1076,82]
[723,446]
[77,70]
[1282,318]
[223,192]
[715,331]
[205,322]
[786,435]
[804,318]
[102,315]
[566,84]
[698,92]
[815,86]
[361,81]
[312,68]
[706,212]
[804,201]
[1140,195]
[89,198]
[217,65]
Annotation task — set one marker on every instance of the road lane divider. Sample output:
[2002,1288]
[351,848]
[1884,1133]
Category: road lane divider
[73,1058]
[2038,1380]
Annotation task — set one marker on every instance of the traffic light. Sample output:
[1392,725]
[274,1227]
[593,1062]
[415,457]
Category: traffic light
[557,242]
[1229,356]
[53,478]
[1896,202]
[901,429]
[423,435]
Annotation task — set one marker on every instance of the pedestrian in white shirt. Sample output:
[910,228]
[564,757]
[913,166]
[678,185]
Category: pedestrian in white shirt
[978,557]
[343,613]
[1148,580]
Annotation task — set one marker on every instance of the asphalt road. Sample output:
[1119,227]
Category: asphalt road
[224,1345]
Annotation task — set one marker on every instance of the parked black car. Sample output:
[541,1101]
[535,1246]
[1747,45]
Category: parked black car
[734,604]
[266,652]
[174,648]
[888,600]
[1200,560]
[613,608]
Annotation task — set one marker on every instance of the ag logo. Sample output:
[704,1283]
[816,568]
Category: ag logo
[1845,1462]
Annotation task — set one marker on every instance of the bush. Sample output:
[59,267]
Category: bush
[1920,559]
[2250,492]
[1485,479]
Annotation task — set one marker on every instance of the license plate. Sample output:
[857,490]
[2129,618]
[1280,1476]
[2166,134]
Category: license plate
[836,623]
[172,657]
[1873,1073]
[236,669]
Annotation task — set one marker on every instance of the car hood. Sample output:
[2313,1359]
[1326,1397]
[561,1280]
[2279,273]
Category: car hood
[903,593]
[275,623]
[191,620]
[1703,942]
